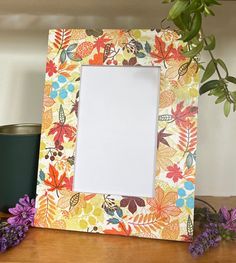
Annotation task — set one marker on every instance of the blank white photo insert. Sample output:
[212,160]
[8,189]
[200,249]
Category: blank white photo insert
[117,130]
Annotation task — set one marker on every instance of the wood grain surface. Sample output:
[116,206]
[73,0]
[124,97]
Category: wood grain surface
[44,245]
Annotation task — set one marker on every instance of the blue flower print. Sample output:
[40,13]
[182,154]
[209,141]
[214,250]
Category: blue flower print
[186,195]
[61,87]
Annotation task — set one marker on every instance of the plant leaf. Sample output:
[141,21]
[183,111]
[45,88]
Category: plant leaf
[222,64]
[178,8]
[195,28]
[220,99]
[231,79]
[209,71]
[179,23]
[233,95]
[227,108]
[211,45]
[193,52]
[210,85]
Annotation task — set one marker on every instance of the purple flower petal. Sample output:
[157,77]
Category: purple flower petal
[233,214]
[25,201]
[225,213]
[23,213]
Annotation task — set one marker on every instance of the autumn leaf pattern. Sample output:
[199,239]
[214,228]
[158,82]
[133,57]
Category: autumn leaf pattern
[132,203]
[169,213]
[55,182]
[46,210]
[174,173]
[181,114]
[61,130]
[164,52]
[61,38]
[161,137]
[187,137]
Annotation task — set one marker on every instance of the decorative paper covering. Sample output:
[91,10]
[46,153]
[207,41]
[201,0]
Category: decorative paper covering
[170,214]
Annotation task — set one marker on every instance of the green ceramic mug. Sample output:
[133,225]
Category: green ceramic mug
[19,151]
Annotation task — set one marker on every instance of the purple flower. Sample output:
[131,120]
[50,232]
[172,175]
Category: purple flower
[23,213]
[11,236]
[228,218]
[209,238]
[3,244]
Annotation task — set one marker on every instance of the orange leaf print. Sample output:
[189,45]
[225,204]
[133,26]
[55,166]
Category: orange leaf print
[55,181]
[97,59]
[122,230]
[46,210]
[65,69]
[181,114]
[187,137]
[171,231]
[163,205]
[48,102]
[167,97]
[62,38]
[47,119]
[164,155]
[61,131]
[164,52]
[147,223]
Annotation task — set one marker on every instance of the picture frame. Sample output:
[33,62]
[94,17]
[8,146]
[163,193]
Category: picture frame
[167,215]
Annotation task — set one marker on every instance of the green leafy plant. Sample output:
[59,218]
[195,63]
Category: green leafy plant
[187,16]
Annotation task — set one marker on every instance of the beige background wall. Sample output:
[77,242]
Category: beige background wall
[23,46]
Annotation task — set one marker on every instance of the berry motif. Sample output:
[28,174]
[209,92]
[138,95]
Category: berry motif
[53,152]
[111,62]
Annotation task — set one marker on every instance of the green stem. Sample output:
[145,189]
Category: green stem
[227,94]
[206,203]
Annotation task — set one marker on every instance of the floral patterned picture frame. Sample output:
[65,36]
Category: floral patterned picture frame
[168,215]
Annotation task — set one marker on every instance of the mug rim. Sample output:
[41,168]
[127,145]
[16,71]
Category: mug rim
[21,129]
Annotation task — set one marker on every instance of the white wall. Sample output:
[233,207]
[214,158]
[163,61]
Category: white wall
[23,49]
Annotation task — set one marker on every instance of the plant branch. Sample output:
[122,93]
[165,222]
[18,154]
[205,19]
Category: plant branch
[226,90]
[206,203]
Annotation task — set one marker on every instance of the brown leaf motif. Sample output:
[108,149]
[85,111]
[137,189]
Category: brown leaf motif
[132,203]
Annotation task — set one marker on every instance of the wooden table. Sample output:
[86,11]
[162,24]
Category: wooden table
[43,245]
